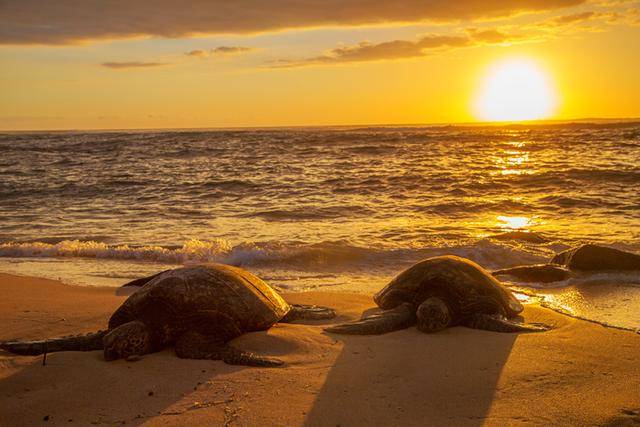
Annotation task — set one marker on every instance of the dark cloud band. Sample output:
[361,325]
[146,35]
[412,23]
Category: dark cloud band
[75,21]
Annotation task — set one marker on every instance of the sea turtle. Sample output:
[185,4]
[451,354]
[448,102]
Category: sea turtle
[197,309]
[440,292]
[584,259]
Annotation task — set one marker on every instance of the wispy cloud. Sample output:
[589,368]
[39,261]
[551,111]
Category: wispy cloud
[76,21]
[198,53]
[220,50]
[231,50]
[398,49]
[586,21]
[574,17]
[132,64]
[432,43]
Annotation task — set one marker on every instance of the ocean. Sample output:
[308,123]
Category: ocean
[334,209]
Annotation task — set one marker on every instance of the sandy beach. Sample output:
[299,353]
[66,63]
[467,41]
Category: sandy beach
[579,373]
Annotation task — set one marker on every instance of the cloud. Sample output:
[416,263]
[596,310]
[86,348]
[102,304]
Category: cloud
[579,22]
[220,50]
[132,64]
[627,17]
[491,36]
[76,21]
[399,49]
[574,17]
[198,53]
[231,49]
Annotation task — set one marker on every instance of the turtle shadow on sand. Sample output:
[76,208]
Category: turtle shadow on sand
[95,392]
[81,387]
[410,378]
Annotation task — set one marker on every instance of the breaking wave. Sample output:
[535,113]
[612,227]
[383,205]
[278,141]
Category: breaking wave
[317,256]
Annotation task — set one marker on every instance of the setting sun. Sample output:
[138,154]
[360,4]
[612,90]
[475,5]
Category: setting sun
[515,89]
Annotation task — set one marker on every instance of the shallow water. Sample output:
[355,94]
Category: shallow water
[340,209]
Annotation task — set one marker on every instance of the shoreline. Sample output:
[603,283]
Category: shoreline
[579,373]
[533,294]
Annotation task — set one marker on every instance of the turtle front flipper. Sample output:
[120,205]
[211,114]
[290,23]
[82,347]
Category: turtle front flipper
[193,345]
[88,342]
[498,323]
[308,312]
[397,318]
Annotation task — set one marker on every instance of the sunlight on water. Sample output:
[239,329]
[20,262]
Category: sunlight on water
[371,187]
[608,302]
[514,160]
[567,301]
[514,222]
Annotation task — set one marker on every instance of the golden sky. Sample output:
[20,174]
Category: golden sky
[85,64]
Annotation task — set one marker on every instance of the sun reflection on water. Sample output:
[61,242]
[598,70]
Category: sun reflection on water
[513,160]
[566,301]
[513,222]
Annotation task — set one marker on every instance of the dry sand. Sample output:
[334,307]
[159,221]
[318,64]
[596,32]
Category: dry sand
[577,374]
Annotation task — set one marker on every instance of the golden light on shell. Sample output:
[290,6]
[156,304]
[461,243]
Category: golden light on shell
[514,90]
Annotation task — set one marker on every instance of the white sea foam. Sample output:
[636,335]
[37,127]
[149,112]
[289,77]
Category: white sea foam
[318,256]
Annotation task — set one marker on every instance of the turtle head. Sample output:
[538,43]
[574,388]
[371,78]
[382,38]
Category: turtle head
[129,339]
[433,315]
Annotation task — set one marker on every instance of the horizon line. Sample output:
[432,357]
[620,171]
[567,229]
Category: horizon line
[540,122]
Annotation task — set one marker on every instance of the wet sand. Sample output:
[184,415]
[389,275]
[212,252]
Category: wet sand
[577,374]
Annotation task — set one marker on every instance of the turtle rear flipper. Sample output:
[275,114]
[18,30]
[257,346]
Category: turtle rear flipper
[88,342]
[193,345]
[497,323]
[397,318]
[308,312]
[234,356]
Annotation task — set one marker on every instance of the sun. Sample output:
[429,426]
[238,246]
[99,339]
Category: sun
[515,89]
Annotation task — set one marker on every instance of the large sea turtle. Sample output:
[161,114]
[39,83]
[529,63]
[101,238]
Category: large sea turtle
[582,259]
[196,309]
[440,292]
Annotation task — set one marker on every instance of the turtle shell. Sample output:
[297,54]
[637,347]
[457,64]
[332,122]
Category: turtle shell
[459,280]
[176,297]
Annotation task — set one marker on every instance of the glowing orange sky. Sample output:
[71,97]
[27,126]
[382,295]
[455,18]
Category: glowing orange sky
[349,63]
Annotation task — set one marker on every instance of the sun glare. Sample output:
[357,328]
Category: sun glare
[514,90]
[514,222]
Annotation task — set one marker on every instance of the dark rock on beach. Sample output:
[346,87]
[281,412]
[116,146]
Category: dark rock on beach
[544,273]
[594,258]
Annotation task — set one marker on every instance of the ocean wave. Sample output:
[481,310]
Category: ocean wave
[309,213]
[324,256]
